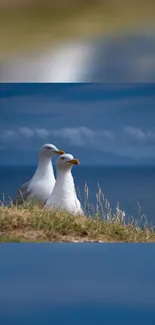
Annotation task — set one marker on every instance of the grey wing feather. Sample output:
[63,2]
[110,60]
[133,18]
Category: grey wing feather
[22,194]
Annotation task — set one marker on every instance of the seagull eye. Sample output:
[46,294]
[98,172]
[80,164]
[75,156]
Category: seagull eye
[49,148]
[62,158]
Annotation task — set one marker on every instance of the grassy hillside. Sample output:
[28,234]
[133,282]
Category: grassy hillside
[30,223]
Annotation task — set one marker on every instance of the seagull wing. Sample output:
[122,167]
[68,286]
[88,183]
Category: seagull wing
[22,193]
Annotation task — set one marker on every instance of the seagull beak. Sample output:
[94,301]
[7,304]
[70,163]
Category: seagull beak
[60,152]
[73,161]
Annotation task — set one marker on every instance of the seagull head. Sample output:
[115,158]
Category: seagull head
[66,161]
[49,150]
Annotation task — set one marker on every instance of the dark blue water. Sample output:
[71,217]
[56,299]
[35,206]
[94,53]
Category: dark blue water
[124,184]
[77,284]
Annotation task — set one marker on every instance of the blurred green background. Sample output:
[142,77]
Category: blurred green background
[33,25]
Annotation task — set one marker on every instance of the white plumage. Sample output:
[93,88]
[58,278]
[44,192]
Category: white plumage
[64,194]
[42,183]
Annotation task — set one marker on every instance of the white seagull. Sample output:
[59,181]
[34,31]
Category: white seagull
[42,183]
[64,194]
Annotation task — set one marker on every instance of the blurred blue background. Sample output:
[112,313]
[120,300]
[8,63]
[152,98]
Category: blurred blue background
[77,284]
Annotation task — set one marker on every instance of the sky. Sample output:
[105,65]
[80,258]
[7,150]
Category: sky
[97,123]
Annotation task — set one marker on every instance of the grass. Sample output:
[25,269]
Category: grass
[36,28]
[31,223]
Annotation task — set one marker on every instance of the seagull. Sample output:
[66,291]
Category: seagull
[64,194]
[42,183]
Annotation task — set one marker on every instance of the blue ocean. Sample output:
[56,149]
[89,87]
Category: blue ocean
[132,187]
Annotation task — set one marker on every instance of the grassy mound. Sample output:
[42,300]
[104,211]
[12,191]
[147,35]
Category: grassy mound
[30,223]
